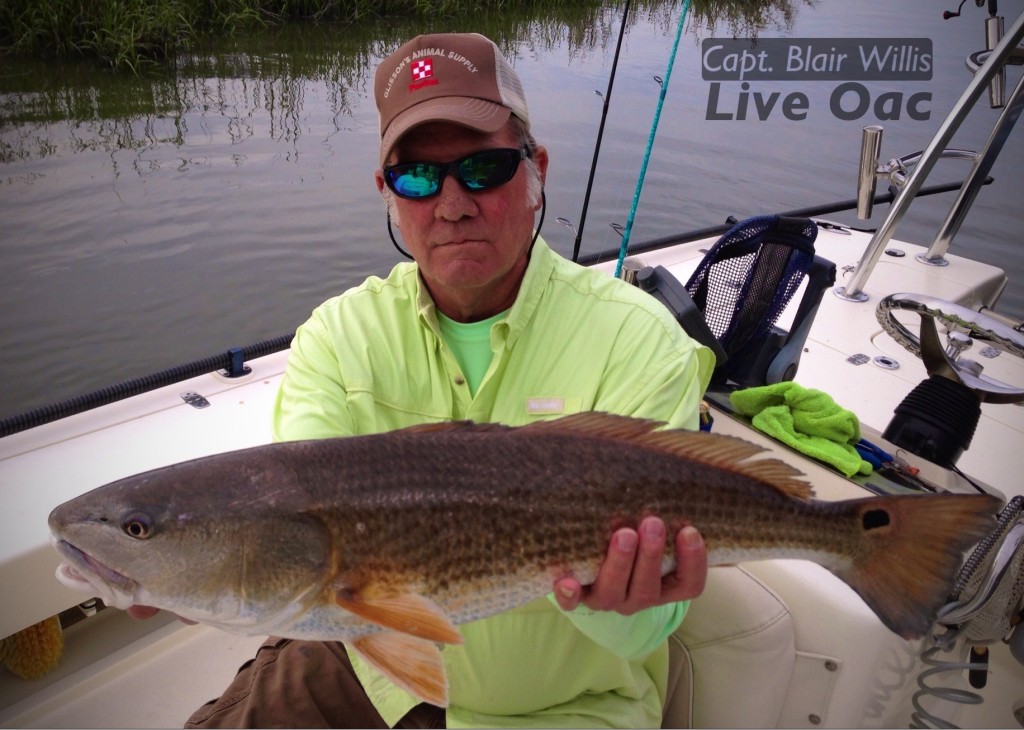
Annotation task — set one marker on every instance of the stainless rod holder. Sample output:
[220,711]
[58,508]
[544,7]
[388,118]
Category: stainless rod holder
[870,149]
[854,290]
[996,88]
[630,268]
[983,162]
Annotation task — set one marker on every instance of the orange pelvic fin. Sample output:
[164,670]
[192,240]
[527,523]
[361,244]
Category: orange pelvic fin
[911,549]
[407,613]
[413,664]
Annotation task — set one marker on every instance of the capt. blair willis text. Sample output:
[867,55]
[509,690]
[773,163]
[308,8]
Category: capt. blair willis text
[760,64]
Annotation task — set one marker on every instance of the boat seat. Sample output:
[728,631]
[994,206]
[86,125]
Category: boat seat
[745,282]
[733,300]
[731,661]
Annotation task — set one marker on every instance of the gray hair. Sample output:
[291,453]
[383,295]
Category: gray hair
[534,186]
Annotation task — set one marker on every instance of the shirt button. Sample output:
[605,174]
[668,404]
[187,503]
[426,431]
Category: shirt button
[459,380]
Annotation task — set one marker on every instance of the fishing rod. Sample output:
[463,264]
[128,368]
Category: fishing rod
[650,139]
[600,133]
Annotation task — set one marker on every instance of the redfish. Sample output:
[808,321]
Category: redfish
[387,542]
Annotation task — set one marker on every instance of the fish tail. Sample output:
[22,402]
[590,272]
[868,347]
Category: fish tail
[910,550]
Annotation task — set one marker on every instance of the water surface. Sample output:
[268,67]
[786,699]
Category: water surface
[147,221]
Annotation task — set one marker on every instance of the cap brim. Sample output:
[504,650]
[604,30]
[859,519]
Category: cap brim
[479,114]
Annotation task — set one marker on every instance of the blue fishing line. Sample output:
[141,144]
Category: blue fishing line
[650,141]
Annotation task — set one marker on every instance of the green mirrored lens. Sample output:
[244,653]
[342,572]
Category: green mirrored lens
[479,171]
[487,169]
[417,180]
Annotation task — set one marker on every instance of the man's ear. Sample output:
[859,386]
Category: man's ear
[540,158]
[389,199]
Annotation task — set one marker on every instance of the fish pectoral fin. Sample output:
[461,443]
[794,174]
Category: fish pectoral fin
[406,613]
[413,664]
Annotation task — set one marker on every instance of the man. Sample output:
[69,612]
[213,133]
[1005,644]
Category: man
[488,324]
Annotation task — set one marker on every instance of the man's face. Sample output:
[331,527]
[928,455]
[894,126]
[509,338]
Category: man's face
[470,246]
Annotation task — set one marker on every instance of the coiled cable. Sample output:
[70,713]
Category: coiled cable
[922,718]
[989,589]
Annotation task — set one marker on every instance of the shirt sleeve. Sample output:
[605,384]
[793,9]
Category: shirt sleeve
[630,637]
[311,402]
[667,387]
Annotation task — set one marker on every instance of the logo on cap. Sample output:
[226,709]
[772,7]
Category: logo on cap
[422,74]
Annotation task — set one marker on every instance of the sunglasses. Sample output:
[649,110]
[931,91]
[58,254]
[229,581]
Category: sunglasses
[479,171]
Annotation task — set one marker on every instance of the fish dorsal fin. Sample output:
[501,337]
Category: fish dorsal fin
[729,453]
[445,426]
[597,424]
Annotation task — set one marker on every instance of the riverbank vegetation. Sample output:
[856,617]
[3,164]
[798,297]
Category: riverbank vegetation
[137,33]
[134,34]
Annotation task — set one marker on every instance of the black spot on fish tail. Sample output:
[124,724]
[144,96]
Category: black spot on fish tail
[873,519]
[906,571]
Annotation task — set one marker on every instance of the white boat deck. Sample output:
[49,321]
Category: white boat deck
[115,670]
[121,673]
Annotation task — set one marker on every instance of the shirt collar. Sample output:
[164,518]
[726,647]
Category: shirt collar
[538,271]
[425,306]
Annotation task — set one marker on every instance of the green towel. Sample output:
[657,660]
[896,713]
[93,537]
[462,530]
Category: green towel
[807,420]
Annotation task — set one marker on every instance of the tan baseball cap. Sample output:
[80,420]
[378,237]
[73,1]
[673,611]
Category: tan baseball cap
[454,77]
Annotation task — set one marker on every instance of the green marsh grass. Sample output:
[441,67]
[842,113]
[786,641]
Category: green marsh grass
[134,34]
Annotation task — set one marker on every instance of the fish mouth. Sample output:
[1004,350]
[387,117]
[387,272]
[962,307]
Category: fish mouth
[81,571]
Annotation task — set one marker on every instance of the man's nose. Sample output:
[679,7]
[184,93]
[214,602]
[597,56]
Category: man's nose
[454,201]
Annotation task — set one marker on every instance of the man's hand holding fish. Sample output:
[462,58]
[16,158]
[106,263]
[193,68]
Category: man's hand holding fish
[630,578]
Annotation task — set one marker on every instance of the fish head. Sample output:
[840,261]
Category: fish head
[224,542]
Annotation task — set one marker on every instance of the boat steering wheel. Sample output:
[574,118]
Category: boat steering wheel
[965,326]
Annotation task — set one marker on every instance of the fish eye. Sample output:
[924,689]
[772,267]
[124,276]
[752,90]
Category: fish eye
[137,525]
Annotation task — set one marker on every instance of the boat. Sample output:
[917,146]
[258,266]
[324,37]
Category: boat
[779,643]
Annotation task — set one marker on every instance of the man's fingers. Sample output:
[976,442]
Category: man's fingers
[692,566]
[645,586]
[568,593]
[142,612]
[630,578]
[608,592]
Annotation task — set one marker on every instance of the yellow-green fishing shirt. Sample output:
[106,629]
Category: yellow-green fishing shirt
[373,359]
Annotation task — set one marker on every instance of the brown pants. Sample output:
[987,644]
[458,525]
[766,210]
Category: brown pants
[301,684]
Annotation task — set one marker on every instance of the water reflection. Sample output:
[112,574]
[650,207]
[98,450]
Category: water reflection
[49,109]
[152,220]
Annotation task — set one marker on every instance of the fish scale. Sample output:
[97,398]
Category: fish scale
[618,486]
